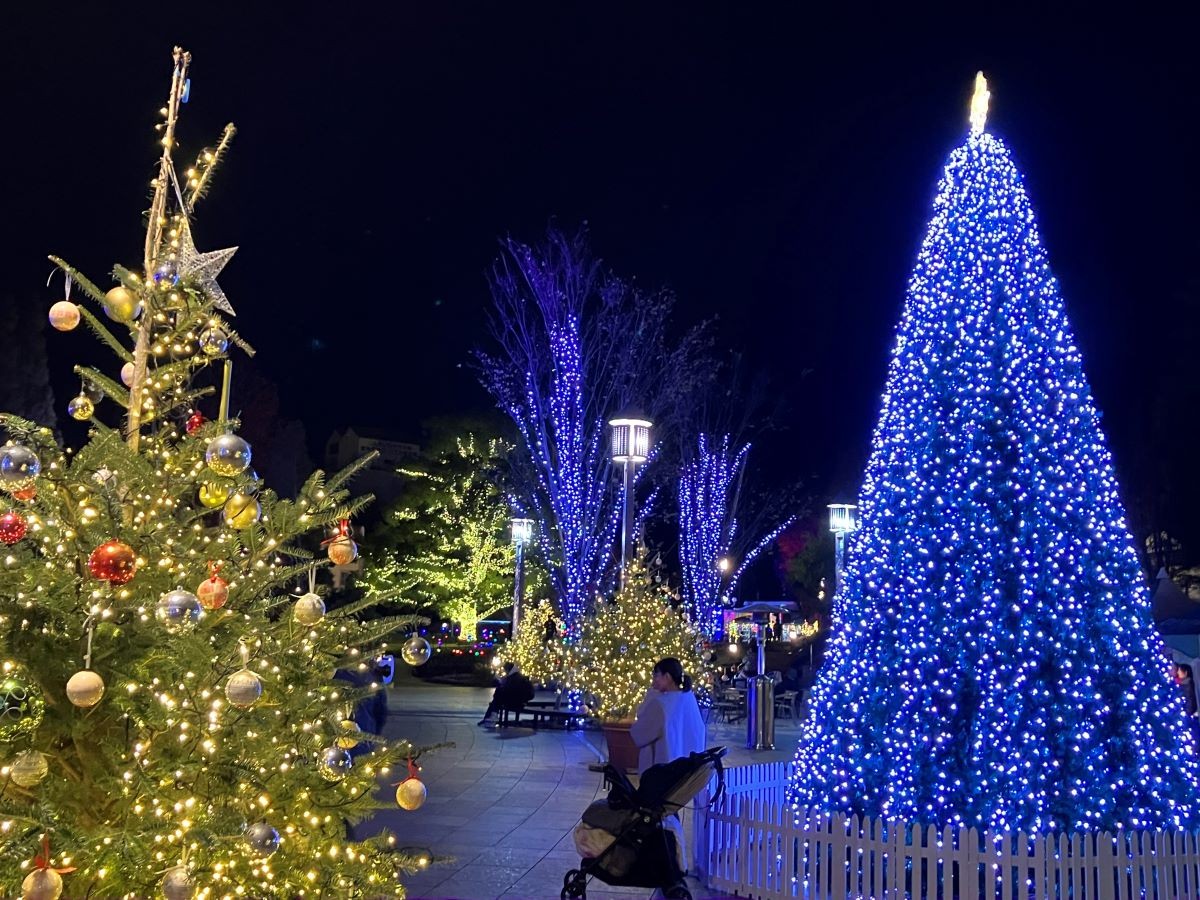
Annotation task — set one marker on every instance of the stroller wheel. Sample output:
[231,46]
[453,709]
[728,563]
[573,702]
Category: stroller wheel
[678,892]
[575,886]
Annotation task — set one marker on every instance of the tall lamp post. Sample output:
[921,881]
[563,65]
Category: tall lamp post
[843,519]
[522,535]
[630,446]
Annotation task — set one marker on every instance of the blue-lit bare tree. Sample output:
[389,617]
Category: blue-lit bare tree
[714,548]
[575,345]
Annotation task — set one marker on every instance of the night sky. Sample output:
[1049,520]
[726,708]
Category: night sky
[771,165]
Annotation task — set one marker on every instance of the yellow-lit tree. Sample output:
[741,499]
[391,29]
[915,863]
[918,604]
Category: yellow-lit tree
[169,719]
[618,645]
[543,661]
[458,555]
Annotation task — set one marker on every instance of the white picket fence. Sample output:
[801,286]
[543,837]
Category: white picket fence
[752,845]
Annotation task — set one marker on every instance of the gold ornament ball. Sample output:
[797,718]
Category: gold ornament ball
[241,511]
[351,734]
[213,495]
[228,455]
[121,304]
[411,794]
[342,550]
[42,884]
[309,609]
[334,764]
[177,884]
[243,689]
[29,768]
[85,688]
[81,408]
[64,316]
[127,374]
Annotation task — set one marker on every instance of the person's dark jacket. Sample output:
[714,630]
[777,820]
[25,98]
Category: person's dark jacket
[514,691]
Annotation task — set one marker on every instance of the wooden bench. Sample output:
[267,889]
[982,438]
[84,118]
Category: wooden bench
[542,714]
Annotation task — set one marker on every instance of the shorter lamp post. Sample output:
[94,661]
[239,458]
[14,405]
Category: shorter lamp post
[522,534]
[843,519]
[630,446]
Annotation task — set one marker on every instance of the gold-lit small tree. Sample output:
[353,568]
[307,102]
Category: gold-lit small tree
[613,658]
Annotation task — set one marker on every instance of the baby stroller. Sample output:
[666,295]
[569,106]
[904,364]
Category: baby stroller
[623,839]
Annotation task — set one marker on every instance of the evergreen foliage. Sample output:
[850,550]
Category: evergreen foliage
[166,773]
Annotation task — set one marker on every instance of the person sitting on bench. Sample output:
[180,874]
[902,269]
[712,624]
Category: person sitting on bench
[512,693]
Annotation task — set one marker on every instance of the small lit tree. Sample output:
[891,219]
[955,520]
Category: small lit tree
[617,647]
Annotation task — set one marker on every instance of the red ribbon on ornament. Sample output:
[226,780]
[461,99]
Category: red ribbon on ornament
[343,530]
[413,771]
[213,568]
[42,860]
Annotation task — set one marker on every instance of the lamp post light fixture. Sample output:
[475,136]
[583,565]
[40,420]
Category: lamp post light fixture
[630,446]
[843,519]
[522,536]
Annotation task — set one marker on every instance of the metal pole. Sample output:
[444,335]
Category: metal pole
[518,587]
[840,544]
[626,526]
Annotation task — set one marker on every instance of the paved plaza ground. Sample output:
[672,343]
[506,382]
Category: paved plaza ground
[503,802]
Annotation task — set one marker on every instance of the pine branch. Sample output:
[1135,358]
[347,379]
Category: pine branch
[101,331]
[341,477]
[206,165]
[85,284]
[113,391]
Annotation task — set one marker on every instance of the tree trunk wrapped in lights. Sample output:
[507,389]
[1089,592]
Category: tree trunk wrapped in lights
[993,661]
[714,548]
[576,345]
[169,724]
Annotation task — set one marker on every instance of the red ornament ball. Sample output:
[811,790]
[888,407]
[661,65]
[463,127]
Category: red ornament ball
[194,421]
[114,562]
[28,494]
[213,592]
[12,528]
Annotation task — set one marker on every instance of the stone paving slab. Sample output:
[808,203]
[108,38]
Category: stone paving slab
[503,803]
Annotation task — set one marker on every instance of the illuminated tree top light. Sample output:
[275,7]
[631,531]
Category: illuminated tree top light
[979,104]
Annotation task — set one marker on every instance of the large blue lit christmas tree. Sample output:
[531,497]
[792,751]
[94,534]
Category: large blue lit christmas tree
[993,661]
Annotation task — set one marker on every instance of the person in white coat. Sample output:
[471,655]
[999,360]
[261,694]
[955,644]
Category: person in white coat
[668,726]
[668,723]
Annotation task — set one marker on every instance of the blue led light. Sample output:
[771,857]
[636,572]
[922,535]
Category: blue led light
[993,660]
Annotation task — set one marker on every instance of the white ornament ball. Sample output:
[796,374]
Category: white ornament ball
[28,769]
[127,374]
[243,689]
[411,794]
[416,651]
[85,688]
[309,609]
[64,316]
[177,884]
[42,884]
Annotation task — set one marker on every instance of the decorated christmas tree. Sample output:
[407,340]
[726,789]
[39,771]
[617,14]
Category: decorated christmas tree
[613,658]
[170,723]
[993,661]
